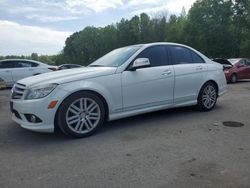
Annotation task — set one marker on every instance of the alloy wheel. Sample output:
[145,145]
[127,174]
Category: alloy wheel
[209,96]
[83,115]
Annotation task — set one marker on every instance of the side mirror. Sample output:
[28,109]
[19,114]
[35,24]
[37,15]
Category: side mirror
[226,66]
[140,63]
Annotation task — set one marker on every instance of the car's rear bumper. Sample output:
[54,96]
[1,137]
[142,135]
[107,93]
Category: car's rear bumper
[222,86]
[222,92]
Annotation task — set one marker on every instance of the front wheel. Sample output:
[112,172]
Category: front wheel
[207,97]
[81,114]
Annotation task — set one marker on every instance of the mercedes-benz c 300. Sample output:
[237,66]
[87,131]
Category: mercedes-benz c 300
[125,82]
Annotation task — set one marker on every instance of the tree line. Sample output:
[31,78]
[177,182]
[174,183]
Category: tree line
[217,28]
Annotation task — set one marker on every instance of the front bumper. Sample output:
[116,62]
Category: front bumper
[38,107]
[38,127]
[228,76]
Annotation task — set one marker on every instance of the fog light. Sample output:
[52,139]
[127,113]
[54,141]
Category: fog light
[33,119]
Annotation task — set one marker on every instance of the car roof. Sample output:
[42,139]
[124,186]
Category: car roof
[157,43]
[69,64]
[236,59]
[29,60]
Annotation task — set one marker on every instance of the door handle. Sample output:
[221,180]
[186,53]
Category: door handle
[167,72]
[199,67]
[31,69]
[7,71]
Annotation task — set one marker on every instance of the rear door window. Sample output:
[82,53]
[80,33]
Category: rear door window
[182,55]
[34,64]
[196,57]
[22,64]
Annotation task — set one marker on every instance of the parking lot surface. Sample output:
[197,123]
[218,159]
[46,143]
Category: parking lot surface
[171,148]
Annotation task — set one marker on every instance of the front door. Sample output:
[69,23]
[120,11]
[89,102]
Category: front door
[22,70]
[150,86]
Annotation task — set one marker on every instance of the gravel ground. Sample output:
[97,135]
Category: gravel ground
[171,148]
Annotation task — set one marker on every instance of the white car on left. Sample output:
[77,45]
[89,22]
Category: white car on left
[12,70]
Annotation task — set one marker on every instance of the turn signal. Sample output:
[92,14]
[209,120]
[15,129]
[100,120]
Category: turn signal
[52,104]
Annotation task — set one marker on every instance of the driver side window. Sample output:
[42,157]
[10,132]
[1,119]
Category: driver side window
[243,62]
[156,54]
[247,62]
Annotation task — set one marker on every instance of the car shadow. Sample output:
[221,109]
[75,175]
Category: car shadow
[147,119]
[16,133]
[17,137]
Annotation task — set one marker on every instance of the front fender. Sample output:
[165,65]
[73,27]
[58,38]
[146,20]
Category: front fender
[110,91]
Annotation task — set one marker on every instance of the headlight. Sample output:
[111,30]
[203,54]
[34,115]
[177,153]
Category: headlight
[40,91]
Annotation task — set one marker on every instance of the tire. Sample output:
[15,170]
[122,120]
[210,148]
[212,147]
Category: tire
[81,114]
[234,78]
[207,97]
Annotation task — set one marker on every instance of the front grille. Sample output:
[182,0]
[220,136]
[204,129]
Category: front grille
[18,91]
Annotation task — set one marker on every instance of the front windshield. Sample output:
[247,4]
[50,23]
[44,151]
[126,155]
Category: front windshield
[233,61]
[116,57]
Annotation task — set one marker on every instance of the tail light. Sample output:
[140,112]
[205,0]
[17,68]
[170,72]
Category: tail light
[52,68]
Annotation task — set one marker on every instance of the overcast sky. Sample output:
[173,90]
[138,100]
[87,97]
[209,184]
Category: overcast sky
[42,26]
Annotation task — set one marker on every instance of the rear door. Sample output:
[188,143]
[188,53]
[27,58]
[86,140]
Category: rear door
[190,73]
[5,72]
[22,70]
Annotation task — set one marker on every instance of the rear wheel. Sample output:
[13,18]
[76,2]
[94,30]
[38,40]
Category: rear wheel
[207,97]
[234,78]
[81,114]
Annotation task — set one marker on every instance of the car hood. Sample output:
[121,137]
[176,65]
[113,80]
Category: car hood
[224,62]
[69,75]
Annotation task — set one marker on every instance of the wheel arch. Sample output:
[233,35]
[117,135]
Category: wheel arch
[234,73]
[105,103]
[211,81]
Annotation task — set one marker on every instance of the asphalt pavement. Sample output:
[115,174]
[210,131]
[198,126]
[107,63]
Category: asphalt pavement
[171,148]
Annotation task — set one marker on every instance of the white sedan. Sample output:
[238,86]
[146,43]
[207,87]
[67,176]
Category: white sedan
[12,70]
[125,82]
